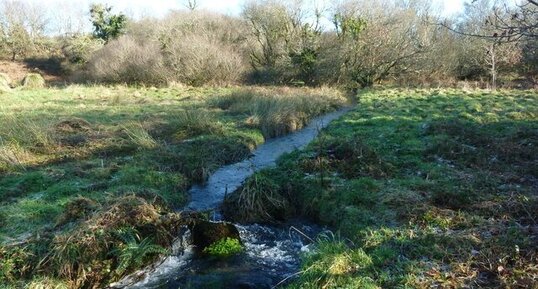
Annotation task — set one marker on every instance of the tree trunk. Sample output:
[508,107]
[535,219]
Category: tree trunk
[493,67]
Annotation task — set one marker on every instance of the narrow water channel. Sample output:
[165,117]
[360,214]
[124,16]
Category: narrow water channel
[272,253]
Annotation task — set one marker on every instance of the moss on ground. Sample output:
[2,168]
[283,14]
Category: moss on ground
[424,188]
[224,248]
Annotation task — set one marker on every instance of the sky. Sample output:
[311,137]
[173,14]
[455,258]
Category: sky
[74,13]
[160,7]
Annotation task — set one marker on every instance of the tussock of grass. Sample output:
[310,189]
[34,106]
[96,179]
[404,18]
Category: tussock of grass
[201,156]
[77,208]
[33,81]
[13,157]
[139,135]
[26,132]
[194,123]
[278,111]
[73,125]
[259,199]
[21,141]
[4,83]
[349,157]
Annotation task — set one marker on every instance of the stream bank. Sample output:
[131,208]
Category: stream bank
[272,253]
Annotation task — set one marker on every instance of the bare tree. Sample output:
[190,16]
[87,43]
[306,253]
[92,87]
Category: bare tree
[283,43]
[499,29]
[191,4]
[373,42]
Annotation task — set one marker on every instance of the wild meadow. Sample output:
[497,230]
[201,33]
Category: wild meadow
[419,187]
[423,188]
[110,115]
[91,176]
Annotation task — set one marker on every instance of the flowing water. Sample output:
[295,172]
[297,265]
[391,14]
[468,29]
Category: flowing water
[272,253]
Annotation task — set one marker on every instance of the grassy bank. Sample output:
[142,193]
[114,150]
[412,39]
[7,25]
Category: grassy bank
[423,188]
[90,176]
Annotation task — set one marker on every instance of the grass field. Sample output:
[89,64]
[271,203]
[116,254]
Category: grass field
[423,189]
[90,176]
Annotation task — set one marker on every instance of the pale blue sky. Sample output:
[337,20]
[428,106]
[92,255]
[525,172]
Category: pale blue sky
[160,7]
[74,13]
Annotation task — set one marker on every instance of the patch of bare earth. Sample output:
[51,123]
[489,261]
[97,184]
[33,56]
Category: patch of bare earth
[16,70]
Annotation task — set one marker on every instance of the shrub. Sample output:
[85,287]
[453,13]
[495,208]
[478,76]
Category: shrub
[195,48]
[33,80]
[283,46]
[198,59]
[126,60]
[79,50]
[352,158]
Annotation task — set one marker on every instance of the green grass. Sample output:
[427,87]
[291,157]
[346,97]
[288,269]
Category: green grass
[277,111]
[74,159]
[424,188]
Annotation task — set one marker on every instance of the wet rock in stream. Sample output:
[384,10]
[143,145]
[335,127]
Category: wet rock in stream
[206,233]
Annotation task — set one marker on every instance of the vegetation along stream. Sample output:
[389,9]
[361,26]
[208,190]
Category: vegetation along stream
[271,253]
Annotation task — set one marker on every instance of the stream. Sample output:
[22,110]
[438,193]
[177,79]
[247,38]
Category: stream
[272,253]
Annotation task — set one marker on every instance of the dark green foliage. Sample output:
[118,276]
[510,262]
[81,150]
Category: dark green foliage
[107,26]
[133,252]
[305,62]
[13,263]
[206,234]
